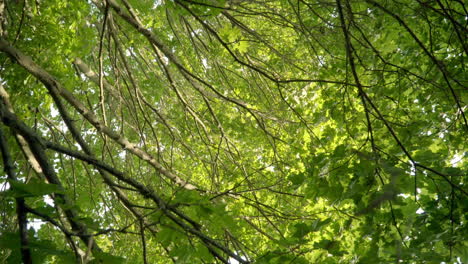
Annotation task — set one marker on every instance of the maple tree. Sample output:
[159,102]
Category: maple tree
[233,131]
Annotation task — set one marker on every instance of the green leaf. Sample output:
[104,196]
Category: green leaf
[297,179]
[33,188]
[10,240]
[301,230]
[106,258]
[167,235]
[187,197]
[461,251]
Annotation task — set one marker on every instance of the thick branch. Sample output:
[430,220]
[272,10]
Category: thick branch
[38,149]
[21,212]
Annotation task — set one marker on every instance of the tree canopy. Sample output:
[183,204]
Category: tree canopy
[234,131]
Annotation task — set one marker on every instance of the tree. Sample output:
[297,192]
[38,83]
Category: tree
[230,131]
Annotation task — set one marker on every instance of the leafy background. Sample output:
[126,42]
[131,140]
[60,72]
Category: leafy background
[301,131]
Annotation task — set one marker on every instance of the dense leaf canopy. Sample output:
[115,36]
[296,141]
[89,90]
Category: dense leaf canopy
[234,131]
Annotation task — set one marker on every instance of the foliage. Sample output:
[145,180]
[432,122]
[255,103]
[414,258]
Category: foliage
[202,131]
